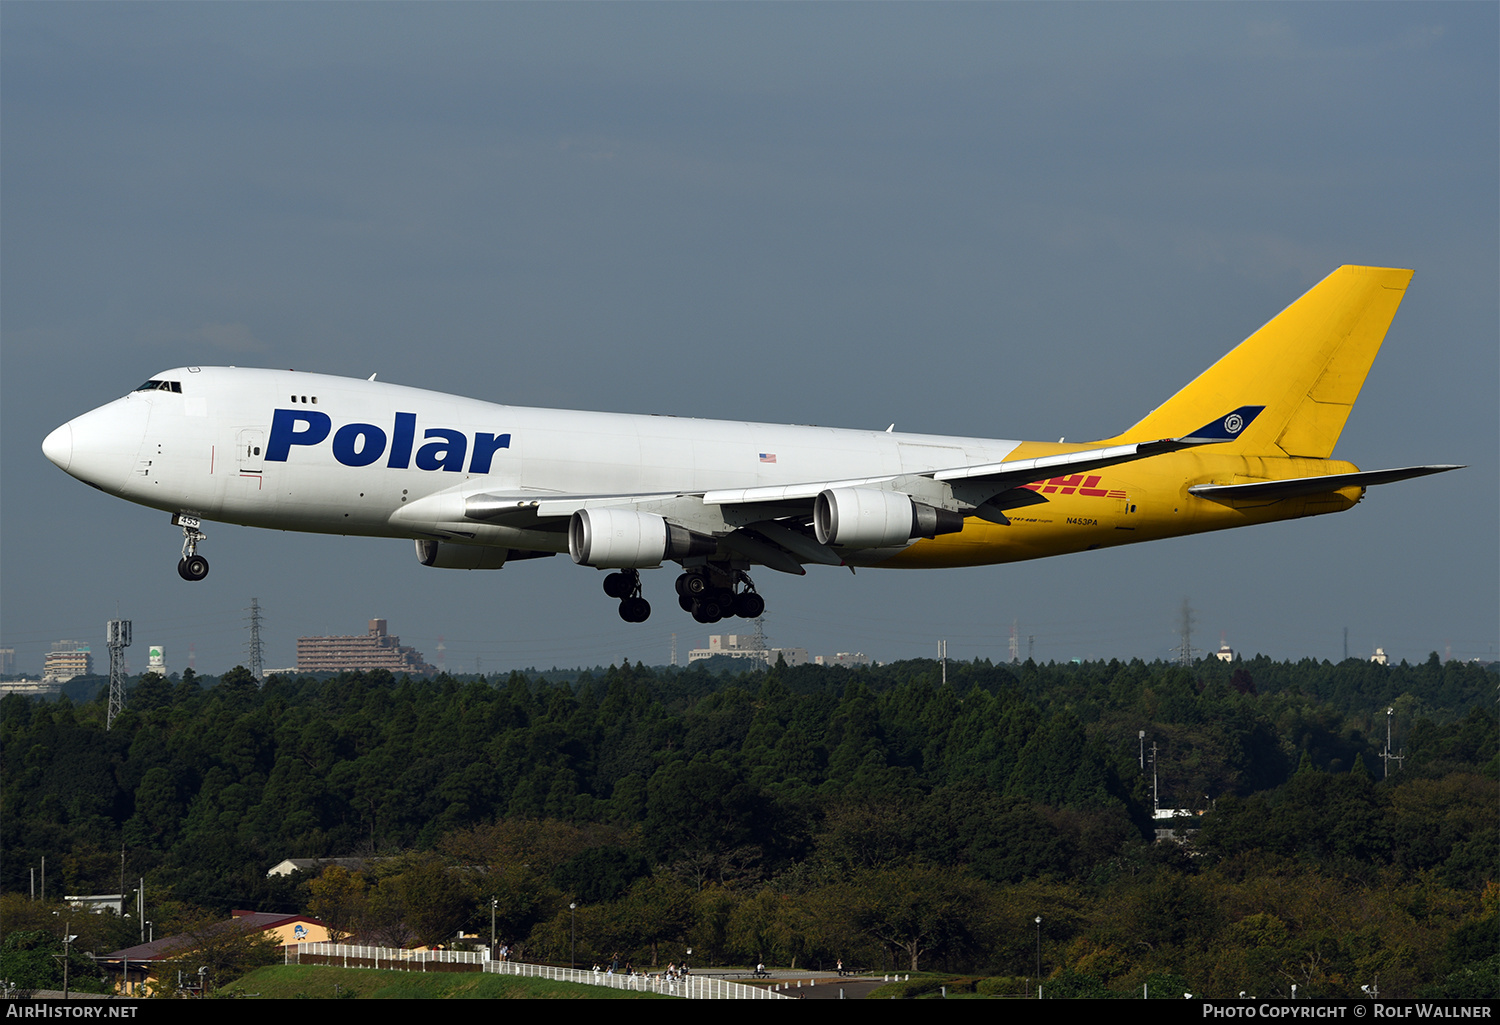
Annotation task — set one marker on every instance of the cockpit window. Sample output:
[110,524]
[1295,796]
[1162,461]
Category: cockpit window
[153,385]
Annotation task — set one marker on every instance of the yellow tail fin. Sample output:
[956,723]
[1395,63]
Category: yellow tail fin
[1306,366]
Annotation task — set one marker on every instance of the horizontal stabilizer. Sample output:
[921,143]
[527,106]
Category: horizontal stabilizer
[1298,487]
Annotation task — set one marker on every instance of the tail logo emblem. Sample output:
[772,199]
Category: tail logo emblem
[1233,423]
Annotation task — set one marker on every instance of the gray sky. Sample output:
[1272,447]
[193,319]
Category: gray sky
[1000,220]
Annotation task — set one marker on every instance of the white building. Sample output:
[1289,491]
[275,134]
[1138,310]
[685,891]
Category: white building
[847,659]
[67,660]
[751,646]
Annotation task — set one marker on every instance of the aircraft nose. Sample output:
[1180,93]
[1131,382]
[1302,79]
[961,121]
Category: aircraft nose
[100,447]
[58,446]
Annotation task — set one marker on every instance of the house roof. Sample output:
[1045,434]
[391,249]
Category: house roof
[171,946]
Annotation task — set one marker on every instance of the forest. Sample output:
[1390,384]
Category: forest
[798,816]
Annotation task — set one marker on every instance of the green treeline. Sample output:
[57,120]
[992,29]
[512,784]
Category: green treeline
[801,815]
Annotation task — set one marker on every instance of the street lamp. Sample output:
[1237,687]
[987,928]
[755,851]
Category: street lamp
[573,940]
[1038,955]
[494,903]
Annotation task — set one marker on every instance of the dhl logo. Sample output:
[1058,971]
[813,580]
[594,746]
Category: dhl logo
[1077,483]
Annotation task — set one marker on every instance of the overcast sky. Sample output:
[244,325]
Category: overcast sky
[1000,220]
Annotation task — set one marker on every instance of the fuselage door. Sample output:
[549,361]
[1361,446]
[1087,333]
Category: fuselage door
[250,452]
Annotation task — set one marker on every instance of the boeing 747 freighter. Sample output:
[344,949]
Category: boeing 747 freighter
[478,484]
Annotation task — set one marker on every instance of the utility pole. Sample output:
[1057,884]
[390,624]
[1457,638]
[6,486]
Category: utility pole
[1155,794]
[1387,755]
[117,639]
[943,658]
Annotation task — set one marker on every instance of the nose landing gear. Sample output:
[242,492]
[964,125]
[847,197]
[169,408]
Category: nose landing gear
[191,566]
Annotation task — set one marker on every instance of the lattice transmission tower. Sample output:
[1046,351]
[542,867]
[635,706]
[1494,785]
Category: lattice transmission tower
[116,639]
[253,646]
[1185,649]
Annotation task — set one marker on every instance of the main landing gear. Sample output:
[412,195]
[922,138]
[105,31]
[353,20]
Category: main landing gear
[626,586]
[709,594]
[191,566]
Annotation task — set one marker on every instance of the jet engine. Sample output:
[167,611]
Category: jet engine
[452,556]
[628,539]
[868,518]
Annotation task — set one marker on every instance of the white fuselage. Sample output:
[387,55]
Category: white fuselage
[311,452]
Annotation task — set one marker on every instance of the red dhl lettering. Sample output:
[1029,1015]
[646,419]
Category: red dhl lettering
[1076,483]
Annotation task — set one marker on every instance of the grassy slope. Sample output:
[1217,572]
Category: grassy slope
[319,982]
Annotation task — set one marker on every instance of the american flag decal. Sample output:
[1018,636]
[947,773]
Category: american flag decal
[768,457]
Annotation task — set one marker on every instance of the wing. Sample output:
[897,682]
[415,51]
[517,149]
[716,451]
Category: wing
[785,526]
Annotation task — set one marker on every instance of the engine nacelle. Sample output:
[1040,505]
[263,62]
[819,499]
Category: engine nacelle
[452,556]
[628,539]
[868,518]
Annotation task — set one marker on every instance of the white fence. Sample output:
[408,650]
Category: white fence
[350,955]
[692,987]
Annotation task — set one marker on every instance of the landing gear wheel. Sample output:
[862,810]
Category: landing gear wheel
[749,605]
[192,566]
[620,585]
[696,584]
[685,603]
[635,610]
[707,611]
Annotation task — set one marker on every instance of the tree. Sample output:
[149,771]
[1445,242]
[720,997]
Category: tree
[919,911]
[226,950]
[338,900]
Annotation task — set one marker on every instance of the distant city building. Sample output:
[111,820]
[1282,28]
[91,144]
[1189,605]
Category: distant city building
[7,661]
[375,650]
[751,646]
[67,660]
[31,688]
[1379,657]
[1225,653]
[847,659]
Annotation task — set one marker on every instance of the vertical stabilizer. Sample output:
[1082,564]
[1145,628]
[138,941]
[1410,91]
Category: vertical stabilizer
[1306,366]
